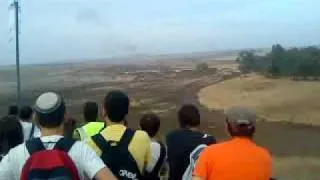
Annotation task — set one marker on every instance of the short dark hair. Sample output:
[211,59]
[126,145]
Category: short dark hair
[150,123]
[116,105]
[11,133]
[53,119]
[189,116]
[13,110]
[241,130]
[25,113]
[90,111]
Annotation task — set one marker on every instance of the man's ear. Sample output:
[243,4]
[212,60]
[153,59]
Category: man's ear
[65,117]
[227,127]
[104,113]
[35,120]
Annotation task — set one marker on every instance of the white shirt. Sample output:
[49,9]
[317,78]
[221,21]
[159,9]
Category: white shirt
[26,127]
[84,158]
[155,155]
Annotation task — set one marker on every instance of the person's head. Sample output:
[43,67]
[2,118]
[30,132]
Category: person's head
[116,106]
[241,121]
[13,110]
[50,110]
[11,133]
[150,123]
[189,116]
[90,111]
[26,113]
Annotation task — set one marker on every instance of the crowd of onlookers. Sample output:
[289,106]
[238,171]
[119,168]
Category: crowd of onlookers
[43,142]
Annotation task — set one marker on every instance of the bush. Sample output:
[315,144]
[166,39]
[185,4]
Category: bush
[202,67]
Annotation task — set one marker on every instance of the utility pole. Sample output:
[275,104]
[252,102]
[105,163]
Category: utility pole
[16,9]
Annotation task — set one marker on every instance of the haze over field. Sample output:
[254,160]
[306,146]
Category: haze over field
[55,30]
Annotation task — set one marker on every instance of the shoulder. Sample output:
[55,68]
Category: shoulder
[218,147]
[155,145]
[208,139]
[81,150]
[264,153]
[141,135]
[173,134]
[17,150]
[17,156]
[81,146]
[25,124]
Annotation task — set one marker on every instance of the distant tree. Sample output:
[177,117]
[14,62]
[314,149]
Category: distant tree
[296,62]
[246,59]
[274,71]
[304,70]
[202,67]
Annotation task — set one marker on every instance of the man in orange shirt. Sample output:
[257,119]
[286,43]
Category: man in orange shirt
[239,158]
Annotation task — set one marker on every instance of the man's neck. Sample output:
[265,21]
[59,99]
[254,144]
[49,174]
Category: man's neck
[192,128]
[115,123]
[25,120]
[51,131]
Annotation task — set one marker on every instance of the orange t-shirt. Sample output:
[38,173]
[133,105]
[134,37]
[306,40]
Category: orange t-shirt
[237,159]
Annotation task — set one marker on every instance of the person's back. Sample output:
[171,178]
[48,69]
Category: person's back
[238,158]
[150,123]
[10,134]
[18,163]
[181,142]
[125,151]
[30,129]
[92,127]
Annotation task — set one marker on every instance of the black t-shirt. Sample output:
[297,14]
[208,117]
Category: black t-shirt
[180,144]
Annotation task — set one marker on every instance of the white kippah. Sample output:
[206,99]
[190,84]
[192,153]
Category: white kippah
[47,102]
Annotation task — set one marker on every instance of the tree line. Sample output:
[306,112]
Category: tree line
[295,62]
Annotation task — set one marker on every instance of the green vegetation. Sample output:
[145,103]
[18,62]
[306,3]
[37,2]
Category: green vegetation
[294,62]
[202,67]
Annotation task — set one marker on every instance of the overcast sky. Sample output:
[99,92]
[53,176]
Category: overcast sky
[53,30]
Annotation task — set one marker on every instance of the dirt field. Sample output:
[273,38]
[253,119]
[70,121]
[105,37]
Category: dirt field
[163,90]
[274,99]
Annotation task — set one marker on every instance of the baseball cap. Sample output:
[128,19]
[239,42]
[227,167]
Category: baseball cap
[47,103]
[241,115]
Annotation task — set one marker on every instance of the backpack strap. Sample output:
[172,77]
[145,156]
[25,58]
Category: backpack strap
[64,144]
[104,145]
[160,161]
[126,137]
[104,126]
[34,145]
[99,140]
[194,155]
[32,131]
